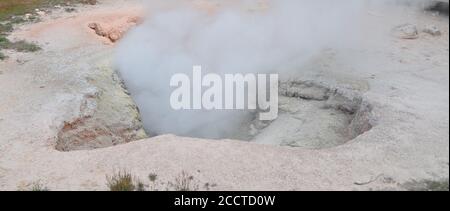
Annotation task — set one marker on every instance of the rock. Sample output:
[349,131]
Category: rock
[432,30]
[304,89]
[114,31]
[41,13]
[134,20]
[98,29]
[27,16]
[114,35]
[70,9]
[93,25]
[107,116]
[21,61]
[406,31]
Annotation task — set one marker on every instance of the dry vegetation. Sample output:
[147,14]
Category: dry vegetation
[125,181]
[39,187]
[36,186]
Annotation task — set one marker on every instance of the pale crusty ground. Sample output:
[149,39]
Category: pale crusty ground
[407,82]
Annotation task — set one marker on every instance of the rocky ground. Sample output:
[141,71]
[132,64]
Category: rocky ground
[67,121]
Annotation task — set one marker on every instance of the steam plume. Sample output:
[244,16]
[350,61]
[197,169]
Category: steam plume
[248,36]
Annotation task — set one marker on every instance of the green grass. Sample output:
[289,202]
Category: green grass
[6,28]
[2,56]
[11,8]
[8,10]
[10,14]
[20,46]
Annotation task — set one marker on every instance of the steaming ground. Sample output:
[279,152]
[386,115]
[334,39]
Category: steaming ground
[253,37]
[406,82]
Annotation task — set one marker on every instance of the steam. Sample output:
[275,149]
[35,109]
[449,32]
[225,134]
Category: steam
[248,36]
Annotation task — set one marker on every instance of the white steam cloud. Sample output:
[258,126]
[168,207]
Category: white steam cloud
[248,36]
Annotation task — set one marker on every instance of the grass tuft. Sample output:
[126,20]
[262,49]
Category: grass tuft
[38,187]
[6,28]
[152,177]
[24,46]
[124,181]
[2,56]
[20,46]
[428,185]
[184,182]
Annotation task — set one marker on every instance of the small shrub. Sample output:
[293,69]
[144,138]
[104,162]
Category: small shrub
[5,28]
[208,186]
[140,186]
[121,181]
[38,187]
[20,46]
[152,177]
[23,46]
[436,185]
[184,182]
[17,20]
[2,56]
[124,181]
[70,9]
[428,185]
[4,42]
